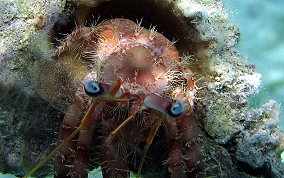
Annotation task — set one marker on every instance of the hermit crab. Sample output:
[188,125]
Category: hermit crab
[136,83]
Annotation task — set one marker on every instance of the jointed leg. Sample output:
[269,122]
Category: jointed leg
[176,163]
[113,134]
[68,147]
[81,160]
[83,36]
[113,159]
[149,141]
[188,131]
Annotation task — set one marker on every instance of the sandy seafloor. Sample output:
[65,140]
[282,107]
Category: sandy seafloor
[261,24]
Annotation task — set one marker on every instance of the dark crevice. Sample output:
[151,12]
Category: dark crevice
[64,26]
[152,13]
[164,16]
[246,168]
[241,166]
[231,144]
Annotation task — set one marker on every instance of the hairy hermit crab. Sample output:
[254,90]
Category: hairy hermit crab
[136,83]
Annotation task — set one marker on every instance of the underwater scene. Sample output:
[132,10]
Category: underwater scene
[261,24]
[148,88]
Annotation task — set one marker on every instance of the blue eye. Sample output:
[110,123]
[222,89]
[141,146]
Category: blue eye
[176,109]
[92,89]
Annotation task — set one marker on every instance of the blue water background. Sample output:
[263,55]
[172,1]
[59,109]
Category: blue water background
[261,23]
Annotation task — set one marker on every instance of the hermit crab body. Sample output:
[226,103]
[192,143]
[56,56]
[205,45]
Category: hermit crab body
[136,83]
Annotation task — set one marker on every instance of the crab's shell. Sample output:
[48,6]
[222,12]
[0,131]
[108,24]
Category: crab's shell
[117,49]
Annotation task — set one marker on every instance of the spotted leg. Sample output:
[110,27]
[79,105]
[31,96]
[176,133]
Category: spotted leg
[71,121]
[114,163]
[176,164]
[188,131]
[80,166]
[113,159]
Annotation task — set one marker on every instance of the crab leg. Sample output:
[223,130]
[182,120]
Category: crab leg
[66,141]
[113,163]
[183,152]
[188,131]
[149,141]
[83,36]
[113,134]
[176,163]
[71,121]
[67,145]
[113,160]
[80,162]
[87,127]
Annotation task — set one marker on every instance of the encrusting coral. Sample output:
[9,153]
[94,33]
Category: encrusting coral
[234,140]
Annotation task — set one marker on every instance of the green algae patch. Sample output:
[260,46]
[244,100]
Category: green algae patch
[219,124]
